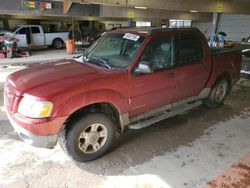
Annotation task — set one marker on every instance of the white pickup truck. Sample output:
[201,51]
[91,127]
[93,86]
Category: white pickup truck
[34,36]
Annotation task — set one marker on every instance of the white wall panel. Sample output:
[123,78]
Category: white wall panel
[204,27]
[235,26]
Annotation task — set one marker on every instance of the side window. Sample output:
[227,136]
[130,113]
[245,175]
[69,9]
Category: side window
[190,50]
[22,31]
[159,53]
[35,30]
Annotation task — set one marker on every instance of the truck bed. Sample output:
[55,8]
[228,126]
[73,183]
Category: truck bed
[225,60]
[215,50]
[49,37]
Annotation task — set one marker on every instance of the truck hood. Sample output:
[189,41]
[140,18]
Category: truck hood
[64,72]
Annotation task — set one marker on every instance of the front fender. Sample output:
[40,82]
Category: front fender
[81,100]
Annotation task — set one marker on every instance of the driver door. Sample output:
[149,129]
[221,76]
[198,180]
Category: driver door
[157,88]
[21,36]
[37,36]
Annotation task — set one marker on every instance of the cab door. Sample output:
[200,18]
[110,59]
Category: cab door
[21,36]
[156,88]
[194,65]
[37,36]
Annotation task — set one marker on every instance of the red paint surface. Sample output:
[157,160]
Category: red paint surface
[70,85]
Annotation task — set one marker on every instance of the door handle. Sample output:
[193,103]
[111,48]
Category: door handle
[171,75]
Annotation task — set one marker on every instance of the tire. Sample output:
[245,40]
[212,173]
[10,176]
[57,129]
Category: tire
[89,137]
[218,93]
[57,43]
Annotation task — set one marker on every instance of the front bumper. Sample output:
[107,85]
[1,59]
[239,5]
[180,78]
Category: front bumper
[36,140]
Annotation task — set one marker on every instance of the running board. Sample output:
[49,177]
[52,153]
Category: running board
[167,114]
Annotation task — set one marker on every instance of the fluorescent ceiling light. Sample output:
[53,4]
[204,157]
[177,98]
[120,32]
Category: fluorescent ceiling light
[194,11]
[141,8]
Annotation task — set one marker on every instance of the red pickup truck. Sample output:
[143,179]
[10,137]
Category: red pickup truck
[129,78]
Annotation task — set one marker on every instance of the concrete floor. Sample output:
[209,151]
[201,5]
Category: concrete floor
[184,151]
[37,57]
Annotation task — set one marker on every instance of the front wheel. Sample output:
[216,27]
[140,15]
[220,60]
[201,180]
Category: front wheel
[89,137]
[218,93]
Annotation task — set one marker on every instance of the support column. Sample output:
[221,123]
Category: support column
[214,27]
[6,25]
[130,22]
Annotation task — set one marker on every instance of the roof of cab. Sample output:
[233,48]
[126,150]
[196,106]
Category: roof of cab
[149,30]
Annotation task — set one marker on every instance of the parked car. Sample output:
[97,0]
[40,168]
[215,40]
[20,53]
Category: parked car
[246,40]
[245,68]
[34,36]
[246,52]
[2,32]
[129,78]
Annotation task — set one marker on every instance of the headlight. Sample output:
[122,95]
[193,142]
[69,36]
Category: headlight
[30,107]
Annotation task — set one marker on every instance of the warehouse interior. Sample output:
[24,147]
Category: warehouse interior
[203,143]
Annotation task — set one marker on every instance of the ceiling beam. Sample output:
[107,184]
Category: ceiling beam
[137,14]
[66,6]
[225,6]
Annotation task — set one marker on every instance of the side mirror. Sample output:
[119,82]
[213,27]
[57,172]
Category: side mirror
[144,67]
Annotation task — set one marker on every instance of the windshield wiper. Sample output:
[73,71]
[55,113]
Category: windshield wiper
[99,61]
[78,58]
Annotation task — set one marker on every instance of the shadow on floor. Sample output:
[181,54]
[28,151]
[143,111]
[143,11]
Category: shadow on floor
[134,148]
[137,147]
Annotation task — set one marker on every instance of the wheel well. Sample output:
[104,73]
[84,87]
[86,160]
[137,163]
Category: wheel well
[225,76]
[57,39]
[105,108]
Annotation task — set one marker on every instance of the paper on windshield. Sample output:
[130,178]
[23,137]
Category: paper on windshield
[130,36]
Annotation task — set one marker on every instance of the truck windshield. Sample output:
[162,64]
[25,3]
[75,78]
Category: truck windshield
[114,50]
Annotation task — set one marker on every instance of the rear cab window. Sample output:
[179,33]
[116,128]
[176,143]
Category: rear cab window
[35,30]
[189,49]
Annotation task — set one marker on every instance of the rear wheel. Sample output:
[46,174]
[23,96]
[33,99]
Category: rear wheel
[218,93]
[57,43]
[89,137]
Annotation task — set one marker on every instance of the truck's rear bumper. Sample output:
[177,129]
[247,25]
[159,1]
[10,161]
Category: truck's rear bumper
[43,141]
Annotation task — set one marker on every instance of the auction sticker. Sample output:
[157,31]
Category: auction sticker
[130,36]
